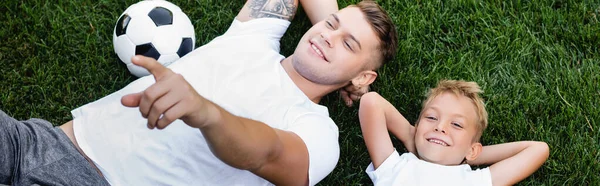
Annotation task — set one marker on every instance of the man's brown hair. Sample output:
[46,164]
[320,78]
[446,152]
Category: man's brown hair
[384,28]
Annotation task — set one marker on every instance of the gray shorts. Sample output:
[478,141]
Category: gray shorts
[33,152]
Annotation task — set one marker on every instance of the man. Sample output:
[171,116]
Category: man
[237,97]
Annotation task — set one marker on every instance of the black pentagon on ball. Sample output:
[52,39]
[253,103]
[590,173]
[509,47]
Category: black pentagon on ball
[161,16]
[122,25]
[147,50]
[185,47]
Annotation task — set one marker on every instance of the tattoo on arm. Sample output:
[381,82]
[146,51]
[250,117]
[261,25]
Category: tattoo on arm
[282,9]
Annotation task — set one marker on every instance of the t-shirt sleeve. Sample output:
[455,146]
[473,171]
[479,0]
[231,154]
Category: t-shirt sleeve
[385,173]
[268,29]
[320,135]
[480,176]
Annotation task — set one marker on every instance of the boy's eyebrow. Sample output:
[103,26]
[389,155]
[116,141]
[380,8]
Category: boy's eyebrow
[351,36]
[458,115]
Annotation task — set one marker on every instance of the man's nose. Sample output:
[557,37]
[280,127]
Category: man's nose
[329,37]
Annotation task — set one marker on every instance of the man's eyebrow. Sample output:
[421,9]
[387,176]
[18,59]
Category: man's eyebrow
[335,17]
[356,40]
[351,36]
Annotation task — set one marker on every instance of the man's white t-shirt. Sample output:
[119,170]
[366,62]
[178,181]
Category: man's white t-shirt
[410,170]
[239,71]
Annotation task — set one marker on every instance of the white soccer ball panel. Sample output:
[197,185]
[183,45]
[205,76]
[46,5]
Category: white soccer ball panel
[137,70]
[124,48]
[167,39]
[184,25]
[168,59]
[140,9]
[141,30]
[115,42]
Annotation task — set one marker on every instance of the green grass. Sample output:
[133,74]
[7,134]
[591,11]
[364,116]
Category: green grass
[537,61]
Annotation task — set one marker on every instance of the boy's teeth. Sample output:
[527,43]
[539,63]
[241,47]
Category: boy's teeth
[438,142]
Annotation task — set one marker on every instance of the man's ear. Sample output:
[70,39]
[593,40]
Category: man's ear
[474,151]
[364,78]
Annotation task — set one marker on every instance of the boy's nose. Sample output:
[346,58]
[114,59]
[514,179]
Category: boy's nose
[440,127]
[440,130]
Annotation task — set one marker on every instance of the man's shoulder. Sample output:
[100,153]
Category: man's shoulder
[258,27]
[251,36]
[309,111]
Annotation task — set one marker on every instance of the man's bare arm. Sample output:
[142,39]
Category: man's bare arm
[278,156]
[280,9]
[318,10]
[281,157]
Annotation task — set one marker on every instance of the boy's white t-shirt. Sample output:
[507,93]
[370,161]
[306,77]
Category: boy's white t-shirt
[239,71]
[410,170]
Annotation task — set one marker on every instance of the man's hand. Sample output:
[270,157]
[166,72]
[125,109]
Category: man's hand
[170,98]
[352,93]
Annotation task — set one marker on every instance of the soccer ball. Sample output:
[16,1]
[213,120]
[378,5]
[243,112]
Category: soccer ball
[157,29]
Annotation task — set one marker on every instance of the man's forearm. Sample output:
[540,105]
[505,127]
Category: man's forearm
[241,143]
[318,10]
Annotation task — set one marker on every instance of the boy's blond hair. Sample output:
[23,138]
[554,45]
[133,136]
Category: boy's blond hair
[463,88]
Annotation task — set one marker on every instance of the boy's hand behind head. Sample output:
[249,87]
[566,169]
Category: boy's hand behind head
[352,93]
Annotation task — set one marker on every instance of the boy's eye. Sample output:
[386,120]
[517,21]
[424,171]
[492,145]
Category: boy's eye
[457,125]
[431,118]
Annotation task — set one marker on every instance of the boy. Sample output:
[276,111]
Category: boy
[443,142]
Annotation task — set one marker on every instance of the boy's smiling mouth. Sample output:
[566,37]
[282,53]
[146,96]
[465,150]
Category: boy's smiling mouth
[437,141]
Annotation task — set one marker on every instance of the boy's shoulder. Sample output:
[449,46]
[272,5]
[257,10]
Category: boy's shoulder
[410,170]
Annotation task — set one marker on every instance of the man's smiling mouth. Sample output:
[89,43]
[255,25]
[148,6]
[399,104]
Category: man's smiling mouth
[318,50]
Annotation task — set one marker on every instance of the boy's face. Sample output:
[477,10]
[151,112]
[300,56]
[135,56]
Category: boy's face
[446,130]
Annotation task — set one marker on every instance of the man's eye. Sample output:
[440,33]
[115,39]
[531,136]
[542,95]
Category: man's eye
[348,45]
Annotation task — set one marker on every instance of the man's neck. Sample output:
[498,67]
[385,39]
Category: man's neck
[315,92]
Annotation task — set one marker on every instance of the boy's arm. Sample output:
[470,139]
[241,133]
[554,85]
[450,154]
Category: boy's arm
[513,162]
[377,117]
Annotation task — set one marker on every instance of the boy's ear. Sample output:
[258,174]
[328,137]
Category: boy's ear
[364,78]
[474,152]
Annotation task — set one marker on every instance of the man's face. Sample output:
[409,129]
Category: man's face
[446,129]
[336,50]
